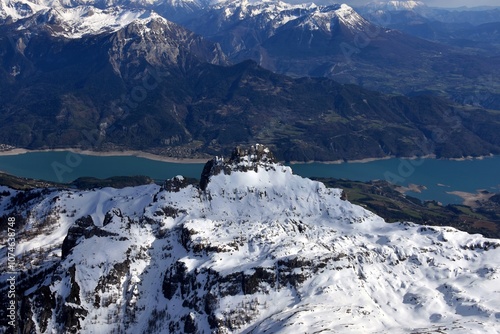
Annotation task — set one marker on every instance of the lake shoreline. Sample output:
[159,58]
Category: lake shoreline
[63,167]
[139,154]
[473,200]
[155,157]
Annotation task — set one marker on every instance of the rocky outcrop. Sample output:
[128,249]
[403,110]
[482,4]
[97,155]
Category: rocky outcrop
[242,159]
[176,184]
[83,228]
[70,313]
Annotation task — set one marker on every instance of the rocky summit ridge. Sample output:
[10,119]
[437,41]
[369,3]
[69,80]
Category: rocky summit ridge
[257,249]
[241,160]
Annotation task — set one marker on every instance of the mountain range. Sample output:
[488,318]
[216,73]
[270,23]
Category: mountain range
[337,42]
[251,248]
[308,40]
[152,85]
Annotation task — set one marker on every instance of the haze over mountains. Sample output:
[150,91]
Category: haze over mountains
[457,27]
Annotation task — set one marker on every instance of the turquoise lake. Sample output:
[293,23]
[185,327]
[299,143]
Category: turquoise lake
[439,176]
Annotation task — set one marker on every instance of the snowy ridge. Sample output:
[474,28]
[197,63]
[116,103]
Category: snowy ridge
[278,13]
[74,19]
[78,18]
[255,249]
[85,20]
[245,8]
[350,18]
[19,9]
[325,19]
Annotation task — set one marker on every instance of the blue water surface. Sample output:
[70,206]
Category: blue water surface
[438,176]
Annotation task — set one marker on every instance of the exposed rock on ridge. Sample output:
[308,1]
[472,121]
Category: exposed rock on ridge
[241,159]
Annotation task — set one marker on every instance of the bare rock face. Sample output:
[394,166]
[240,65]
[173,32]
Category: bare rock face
[176,184]
[83,228]
[160,42]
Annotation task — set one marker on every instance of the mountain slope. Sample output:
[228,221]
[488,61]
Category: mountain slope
[331,41]
[254,249]
[157,87]
[152,85]
[243,28]
[337,42]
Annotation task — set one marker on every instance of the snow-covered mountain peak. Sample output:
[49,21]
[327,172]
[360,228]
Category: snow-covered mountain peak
[325,18]
[243,9]
[350,18]
[82,17]
[147,20]
[283,12]
[405,5]
[79,21]
[257,250]
[257,158]
[160,42]
[77,18]
[13,10]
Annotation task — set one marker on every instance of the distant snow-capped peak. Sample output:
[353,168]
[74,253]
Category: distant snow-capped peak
[18,9]
[248,8]
[86,17]
[79,17]
[396,5]
[85,20]
[324,18]
[275,14]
